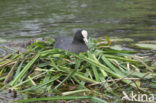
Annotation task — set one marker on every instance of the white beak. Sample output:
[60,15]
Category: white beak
[84,34]
[85,40]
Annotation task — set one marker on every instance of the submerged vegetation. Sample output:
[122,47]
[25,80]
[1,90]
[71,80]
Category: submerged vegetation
[100,75]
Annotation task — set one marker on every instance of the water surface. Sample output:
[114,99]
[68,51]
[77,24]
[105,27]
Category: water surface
[39,18]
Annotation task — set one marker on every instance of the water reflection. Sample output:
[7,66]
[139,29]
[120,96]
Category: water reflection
[125,18]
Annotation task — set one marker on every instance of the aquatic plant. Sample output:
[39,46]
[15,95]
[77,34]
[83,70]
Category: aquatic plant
[96,75]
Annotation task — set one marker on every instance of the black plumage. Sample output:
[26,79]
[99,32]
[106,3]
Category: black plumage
[76,44]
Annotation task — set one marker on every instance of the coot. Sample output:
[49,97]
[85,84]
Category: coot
[76,44]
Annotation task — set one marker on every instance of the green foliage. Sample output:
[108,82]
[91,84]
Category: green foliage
[98,73]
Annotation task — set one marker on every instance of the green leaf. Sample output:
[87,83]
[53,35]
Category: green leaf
[54,98]
[25,69]
[146,46]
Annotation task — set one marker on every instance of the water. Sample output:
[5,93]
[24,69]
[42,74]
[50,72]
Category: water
[39,18]
[26,19]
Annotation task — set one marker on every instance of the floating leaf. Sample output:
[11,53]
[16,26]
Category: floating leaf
[116,47]
[146,46]
[2,40]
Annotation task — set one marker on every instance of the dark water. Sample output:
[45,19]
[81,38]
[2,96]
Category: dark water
[39,18]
